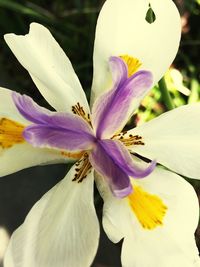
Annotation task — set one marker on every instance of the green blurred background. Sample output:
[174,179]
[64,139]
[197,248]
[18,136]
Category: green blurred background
[73,23]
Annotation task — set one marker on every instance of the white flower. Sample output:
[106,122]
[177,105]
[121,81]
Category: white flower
[157,220]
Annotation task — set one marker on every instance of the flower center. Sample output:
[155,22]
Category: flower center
[149,209]
[132,63]
[11,133]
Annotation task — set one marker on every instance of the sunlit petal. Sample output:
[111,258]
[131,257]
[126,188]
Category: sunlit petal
[61,229]
[122,29]
[165,245]
[49,67]
[173,139]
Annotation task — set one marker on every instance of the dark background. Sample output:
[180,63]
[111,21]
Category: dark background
[73,23]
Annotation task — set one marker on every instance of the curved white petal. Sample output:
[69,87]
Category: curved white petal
[21,155]
[173,243]
[122,29]
[49,67]
[173,139]
[61,229]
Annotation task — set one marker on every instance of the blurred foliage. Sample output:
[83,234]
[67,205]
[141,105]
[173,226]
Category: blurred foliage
[71,22]
[73,25]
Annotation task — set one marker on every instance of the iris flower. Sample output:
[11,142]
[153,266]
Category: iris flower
[156,216]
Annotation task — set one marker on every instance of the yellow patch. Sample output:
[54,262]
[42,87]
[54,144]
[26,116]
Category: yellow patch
[132,63]
[149,209]
[72,155]
[10,133]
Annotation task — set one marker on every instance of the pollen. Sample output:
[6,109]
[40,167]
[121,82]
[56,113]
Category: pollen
[149,209]
[129,140]
[132,63]
[78,110]
[83,168]
[11,133]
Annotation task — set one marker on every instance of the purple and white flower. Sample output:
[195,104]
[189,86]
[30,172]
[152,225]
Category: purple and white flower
[156,216]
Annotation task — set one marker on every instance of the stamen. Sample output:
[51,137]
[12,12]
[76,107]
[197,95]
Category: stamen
[78,110]
[72,155]
[10,133]
[83,168]
[129,140]
[149,209]
[132,63]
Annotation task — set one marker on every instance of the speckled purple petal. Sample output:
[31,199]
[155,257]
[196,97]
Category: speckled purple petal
[117,179]
[53,129]
[112,110]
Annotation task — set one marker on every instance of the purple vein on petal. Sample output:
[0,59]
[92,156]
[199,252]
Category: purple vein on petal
[116,178]
[112,160]
[112,110]
[29,109]
[53,129]
[121,156]
[40,135]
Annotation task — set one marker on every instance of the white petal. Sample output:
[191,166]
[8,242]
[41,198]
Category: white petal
[173,243]
[61,229]
[22,155]
[122,29]
[173,139]
[49,67]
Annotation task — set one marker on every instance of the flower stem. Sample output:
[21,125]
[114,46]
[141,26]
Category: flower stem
[165,94]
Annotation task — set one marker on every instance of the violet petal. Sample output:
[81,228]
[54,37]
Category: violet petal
[117,179]
[122,158]
[112,110]
[29,109]
[53,129]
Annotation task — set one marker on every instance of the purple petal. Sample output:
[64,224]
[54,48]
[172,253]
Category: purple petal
[40,135]
[119,70]
[29,109]
[53,129]
[112,110]
[117,179]
[121,156]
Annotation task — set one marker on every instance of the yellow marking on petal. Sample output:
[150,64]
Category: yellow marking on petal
[132,63]
[149,209]
[72,155]
[10,133]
